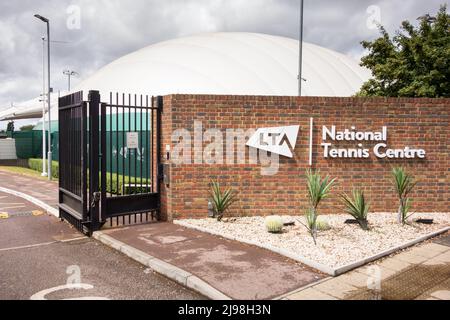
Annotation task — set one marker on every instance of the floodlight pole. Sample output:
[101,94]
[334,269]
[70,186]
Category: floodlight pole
[49,155]
[300,76]
[69,73]
[44,146]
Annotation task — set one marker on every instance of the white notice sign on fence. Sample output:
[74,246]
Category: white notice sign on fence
[132,140]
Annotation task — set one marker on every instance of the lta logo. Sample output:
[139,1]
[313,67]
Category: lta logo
[279,140]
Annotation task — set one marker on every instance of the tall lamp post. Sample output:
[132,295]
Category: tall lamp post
[69,74]
[44,147]
[300,62]
[49,155]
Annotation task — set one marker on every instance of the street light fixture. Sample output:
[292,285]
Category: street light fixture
[49,155]
[69,73]
[300,62]
[44,146]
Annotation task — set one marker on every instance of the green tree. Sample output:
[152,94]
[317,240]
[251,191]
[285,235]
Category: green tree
[10,127]
[413,63]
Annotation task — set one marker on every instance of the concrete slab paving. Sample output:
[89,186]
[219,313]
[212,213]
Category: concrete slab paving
[410,257]
[355,279]
[384,272]
[336,288]
[430,250]
[441,294]
[394,264]
[311,294]
[443,258]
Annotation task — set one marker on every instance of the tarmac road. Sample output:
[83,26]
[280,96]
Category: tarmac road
[44,258]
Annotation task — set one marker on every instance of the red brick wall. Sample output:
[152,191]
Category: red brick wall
[420,123]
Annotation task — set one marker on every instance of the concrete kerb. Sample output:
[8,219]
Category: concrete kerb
[33,200]
[172,272]
[334,272]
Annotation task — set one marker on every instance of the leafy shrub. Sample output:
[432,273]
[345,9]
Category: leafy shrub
[221,200]
[115,185]
[274,224]
[357,207]
[36,165]
[123,185]
[403,184]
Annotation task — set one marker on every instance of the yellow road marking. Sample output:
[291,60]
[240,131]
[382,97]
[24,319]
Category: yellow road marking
[37,213]
[4,215]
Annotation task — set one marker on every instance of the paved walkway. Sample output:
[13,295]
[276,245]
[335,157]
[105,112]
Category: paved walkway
[44,190]
[422,272]
[237,270]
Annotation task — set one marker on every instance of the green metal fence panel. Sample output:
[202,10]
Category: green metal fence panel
[129,162]
[55,146]
[28,144]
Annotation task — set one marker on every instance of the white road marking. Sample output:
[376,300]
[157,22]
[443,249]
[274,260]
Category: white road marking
[29,246]
[41,294]
[74,239]
[14,207]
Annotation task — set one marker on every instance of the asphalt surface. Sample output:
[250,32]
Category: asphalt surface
[44,258]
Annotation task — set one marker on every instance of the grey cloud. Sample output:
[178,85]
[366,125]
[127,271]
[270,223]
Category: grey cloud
[112,28]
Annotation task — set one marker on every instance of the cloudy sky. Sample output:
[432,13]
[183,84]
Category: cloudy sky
[108,29]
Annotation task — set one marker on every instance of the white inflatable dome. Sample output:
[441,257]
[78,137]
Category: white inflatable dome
[229,63]
[221,63]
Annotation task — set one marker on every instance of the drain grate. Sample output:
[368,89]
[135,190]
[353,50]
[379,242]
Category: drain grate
[407,285]
[34,213]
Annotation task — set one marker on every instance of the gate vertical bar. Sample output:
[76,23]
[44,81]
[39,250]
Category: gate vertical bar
[94,102]
[158,152]
[84,159]
[103,157]
[61,150]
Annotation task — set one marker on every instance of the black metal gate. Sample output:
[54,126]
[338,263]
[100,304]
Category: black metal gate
[109,159]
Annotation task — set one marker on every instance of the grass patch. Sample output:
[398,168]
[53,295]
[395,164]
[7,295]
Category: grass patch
[23,171]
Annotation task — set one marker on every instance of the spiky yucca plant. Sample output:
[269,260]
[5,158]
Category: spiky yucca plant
[403,184]
[311,223]
[221,200]
[318,189]
[357,206]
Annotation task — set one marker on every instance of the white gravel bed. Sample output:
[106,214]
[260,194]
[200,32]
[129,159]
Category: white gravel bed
[343,244]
